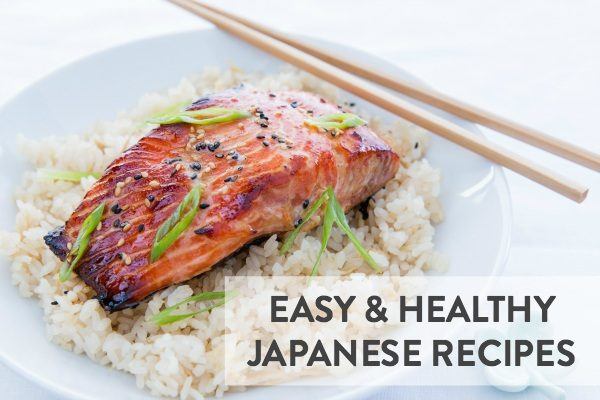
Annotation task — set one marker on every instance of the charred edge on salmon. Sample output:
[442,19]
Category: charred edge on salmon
[56,241]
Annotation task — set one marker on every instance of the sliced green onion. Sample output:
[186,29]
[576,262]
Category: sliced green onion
[166,316]
[328,221]
[81,243]
[336,121]
[342,222]
[333,213]
[71,176]
[178,222]
[172,109]
[311,211]
[205,116]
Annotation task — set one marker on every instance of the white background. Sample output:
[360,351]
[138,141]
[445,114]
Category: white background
[534,61]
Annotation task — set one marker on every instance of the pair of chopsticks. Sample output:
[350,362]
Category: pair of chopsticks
[342,72]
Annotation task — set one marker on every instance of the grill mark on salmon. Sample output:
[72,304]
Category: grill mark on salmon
[265,197]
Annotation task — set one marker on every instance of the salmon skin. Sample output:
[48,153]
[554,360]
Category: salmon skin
[259,175]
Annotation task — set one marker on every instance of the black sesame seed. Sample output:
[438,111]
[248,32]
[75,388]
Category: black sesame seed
[352,104]
[322,100]
[193,176]
[231,178]
[214,146]
[280,140]
[235,156]
[309,111]
[54,303]
[204,205]
[200,146]
[274,136]
[231,152]
[298,222]
[137,177]
[150,197]
[203,230]
[66,292]
[219,155]
[240,168]
[271,95]
[196,166]
[305,203]
[263,125]
[294,104]
[266,144]
[173,160]
[416,145]
[120,255]
[116,208]
[117,223]
[260,136]
[141,228]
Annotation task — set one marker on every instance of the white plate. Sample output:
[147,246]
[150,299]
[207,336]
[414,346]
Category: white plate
[475,233]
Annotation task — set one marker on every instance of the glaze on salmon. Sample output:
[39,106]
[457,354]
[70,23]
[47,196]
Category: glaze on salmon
[258,174]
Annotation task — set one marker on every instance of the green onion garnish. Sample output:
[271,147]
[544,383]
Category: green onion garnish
[342,222]
[336,121]
[166,316]
[311,211]
[333,213]
[172,109]
[205,116]
[328,220]
[81,243]
[71,176]
[178,222]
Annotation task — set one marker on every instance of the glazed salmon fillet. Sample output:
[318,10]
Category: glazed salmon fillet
[259,175]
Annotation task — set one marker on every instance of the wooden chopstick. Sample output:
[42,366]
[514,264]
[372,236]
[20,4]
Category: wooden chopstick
[392,103]
[439,100]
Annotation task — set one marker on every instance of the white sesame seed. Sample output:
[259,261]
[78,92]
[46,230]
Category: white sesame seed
[144,174]
[129,179]
[120,184]
[147,203]
[69,245]
[121,242]
[154,183]
[127,227]
[118,192]
[99,227]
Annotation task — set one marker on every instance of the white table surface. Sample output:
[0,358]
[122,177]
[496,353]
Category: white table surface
[536,61]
